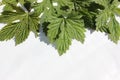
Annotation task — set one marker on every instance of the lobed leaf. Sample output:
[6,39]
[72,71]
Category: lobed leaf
[63,30]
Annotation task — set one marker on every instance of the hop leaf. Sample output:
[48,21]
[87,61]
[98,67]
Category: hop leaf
[19,23]
[62,30]
[106,21]
[114,28]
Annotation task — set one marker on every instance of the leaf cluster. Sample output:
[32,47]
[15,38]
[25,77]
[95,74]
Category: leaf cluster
[61,20]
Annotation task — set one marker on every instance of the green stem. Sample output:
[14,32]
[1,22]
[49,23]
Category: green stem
[23,8]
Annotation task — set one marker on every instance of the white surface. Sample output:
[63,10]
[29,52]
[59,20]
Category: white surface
[96,59]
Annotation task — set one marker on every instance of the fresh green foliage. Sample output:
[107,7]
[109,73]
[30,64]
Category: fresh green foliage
[61,20]
[18,22]
[62,30]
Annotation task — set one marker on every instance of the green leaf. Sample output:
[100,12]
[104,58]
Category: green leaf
[63,42]
[9,1]
[114,28]
[33,22]
[54,29]
[105,3]
[102,20]
[9,16]
[105,16]
[62,30]
[19,23]
[8,32]
[64,4]
[22,33]
[76,29]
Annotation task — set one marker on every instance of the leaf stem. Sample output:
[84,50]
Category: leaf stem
[22,7]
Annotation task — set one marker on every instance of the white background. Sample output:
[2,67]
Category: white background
[96,59]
